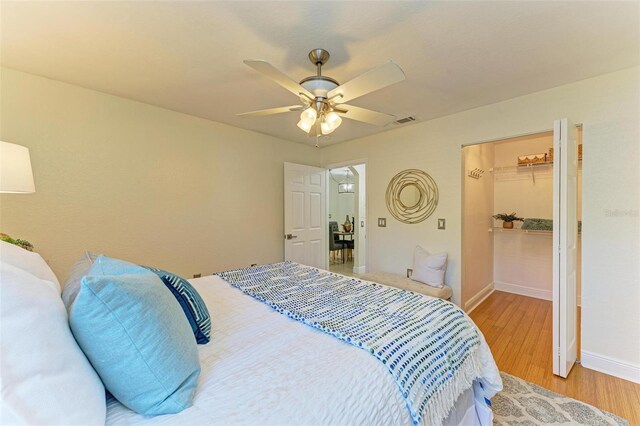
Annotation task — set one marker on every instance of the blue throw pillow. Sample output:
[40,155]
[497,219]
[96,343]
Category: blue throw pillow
[190,301]
[188,297]
[138,340]
[105,265]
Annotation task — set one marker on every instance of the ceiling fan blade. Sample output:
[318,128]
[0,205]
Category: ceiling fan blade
[365,115]
[372,80]
[271,111]
[278,76]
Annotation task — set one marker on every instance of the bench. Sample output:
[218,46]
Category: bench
[404,283]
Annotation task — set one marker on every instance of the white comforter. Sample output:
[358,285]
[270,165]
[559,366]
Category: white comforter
[264,368]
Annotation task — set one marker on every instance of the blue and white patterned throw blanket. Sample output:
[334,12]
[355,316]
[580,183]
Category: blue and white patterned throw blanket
[428,345]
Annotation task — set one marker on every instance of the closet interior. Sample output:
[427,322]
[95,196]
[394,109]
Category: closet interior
[512,176]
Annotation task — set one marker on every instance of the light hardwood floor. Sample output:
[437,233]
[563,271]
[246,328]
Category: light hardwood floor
[342,268]
[518,330]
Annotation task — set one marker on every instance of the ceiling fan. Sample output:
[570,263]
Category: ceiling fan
[323,98]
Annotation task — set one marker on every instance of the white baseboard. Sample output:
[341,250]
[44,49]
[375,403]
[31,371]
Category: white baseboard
[478,298]
[613,367]
[524,291]
[359,269]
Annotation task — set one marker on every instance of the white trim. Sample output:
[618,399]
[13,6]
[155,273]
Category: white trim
[521,135]
[608,365]
[480,297]
[353,162]
[359,269]
[524,291]
[506,138]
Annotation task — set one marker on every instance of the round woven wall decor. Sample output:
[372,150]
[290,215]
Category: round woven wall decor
[418,202]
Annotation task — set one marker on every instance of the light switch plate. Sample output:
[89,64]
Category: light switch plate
[442,223]
[382,222]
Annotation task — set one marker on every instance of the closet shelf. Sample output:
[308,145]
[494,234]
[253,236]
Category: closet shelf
[519,231]
[539,166]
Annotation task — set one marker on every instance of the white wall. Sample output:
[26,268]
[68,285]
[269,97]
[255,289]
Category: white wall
[140,182]
[477,241]
[516,189]
[360,266]
[191,195]
[609,108]
[523,263]
[333,201]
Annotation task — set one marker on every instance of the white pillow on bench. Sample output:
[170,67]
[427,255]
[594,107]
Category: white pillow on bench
[429,268]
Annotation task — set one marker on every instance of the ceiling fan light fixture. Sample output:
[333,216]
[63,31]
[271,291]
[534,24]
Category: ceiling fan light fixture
[333,120]
[305,126]
[321,96]
[319,85]
[345,188]
[309,115]
[326,128]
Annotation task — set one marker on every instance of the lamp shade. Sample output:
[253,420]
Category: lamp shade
[333,120]
[325,128]
[15,169]
[309,115]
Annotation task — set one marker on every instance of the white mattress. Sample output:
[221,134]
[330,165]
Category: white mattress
[264,368]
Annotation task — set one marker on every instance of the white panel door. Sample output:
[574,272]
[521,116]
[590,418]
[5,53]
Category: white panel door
[305,225]
[565,234]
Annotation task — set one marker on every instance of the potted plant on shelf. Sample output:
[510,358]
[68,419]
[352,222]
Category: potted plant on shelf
[507,219]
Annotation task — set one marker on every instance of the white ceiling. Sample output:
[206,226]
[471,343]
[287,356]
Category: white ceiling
[187,56]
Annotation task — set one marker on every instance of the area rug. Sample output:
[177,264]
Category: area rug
[524,403]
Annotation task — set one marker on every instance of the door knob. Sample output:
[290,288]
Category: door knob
[290,236]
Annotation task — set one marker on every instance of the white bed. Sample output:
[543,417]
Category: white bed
[264,368]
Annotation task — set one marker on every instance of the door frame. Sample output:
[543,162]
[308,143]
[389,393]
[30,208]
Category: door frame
[462,204]
[463,174]
[350,163]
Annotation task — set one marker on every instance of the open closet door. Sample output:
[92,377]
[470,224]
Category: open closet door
[306,231]
[565,233]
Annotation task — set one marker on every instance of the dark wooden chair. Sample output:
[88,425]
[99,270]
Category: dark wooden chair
[335,244]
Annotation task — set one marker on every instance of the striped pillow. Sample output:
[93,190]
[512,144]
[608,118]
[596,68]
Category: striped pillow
[192,304]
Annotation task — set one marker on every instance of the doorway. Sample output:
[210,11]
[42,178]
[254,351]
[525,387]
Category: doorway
[512,177]
[347,223]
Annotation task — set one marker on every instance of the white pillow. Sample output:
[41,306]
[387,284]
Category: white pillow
[46,379]
[28,261]
[429,268]
[78,271]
